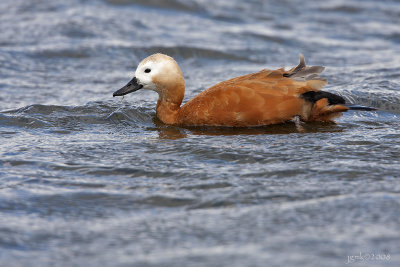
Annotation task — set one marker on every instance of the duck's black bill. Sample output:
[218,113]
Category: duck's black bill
[132,86]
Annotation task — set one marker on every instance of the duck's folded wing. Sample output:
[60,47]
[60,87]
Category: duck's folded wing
[265,97]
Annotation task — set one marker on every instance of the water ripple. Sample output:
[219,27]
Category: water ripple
[88,180]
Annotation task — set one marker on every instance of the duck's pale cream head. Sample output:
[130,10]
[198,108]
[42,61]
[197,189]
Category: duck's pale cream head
[159,73]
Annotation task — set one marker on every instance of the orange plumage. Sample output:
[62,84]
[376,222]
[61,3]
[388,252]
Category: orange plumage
[262,98]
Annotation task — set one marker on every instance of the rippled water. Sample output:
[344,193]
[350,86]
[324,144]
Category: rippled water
[89,180]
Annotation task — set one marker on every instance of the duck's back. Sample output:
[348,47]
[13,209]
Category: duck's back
[262,98]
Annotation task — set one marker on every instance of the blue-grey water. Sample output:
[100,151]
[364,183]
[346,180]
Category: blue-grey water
[91,180]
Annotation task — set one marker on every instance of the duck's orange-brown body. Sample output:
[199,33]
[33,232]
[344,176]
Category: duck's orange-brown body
[262,98]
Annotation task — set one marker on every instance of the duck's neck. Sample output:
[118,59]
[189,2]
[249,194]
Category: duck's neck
[170,97]
[167,111]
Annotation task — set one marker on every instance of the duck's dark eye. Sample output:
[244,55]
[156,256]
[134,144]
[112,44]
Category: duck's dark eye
[147,70]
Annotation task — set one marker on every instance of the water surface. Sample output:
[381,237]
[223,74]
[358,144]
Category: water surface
[89,180]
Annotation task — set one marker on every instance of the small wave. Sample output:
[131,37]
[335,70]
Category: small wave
[350,9]
[76,29]
[214,203]
[72,118]
[207,186]
[130,116]
[62,53]
[21,121]
[192,52]
[267,37]
[178,5]
[125,171]
[168,201]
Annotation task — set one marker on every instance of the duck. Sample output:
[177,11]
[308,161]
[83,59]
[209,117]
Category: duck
[257,99]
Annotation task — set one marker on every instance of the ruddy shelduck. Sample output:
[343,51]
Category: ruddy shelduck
[262,98]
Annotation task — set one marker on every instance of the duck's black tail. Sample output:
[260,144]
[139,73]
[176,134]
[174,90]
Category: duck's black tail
[327,106]
[333,99]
